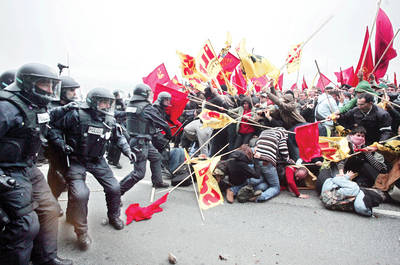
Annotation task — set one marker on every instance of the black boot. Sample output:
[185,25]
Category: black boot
[160,185]
[84,241]
[117,223]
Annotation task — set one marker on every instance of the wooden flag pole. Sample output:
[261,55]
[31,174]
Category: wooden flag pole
[384,53]
[327,96]
[370,35]
[195,191]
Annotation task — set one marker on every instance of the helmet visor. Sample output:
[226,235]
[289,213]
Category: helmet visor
[105,105]
[73,94]
[48,87]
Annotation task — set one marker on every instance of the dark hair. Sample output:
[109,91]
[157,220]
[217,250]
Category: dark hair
[368,97]
[246,150]
[289,92]
[345,86]
[246,100]
[358,129]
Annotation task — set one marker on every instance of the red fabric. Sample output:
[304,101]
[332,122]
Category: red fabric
[383,36]
[323,82]
[304,85]
[239,81]
[174,83]
[136,213]
[280,83]
[246,128]
[178,101]
[228,63]
[293,87]
[346,76]
[158,76]
[368,64]
[260,82]
[289,172]
[307,138]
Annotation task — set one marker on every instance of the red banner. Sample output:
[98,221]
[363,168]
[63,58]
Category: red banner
[157,76]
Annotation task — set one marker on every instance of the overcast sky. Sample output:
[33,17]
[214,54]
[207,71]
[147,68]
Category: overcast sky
[115,43]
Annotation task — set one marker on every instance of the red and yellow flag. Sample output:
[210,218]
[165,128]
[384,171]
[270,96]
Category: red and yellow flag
[209,192]
[158,76]
[188,67]
[334,148]
[207,61]
[293,59]
[214,119]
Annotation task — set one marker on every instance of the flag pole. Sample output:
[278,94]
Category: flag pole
[384,53]
[327,96]
[370,35]
[195,191]
[310,37]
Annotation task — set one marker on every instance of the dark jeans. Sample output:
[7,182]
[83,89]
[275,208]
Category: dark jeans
[78,192]
[242,139]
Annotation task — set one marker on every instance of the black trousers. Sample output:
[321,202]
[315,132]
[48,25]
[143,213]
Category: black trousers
[78,191]
[33,235]
[114,153]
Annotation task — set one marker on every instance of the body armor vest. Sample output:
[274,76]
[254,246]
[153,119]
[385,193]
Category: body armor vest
[19,147]
[137,124]
[92,136]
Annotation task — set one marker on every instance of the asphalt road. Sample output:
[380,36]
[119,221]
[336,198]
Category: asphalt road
[284,230]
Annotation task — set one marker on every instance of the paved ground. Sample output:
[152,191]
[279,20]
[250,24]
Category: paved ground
[285,230]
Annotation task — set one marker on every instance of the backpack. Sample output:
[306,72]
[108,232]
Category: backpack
[334,200]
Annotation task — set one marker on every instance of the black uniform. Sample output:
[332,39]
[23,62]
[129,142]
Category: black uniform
[87,132]
[22,129]
[113,152]
[142,119]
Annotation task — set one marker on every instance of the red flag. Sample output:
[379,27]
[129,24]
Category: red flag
[293,87]
[345,76]
[174,83]
[178,101]
[158,76]
[259,82]
[307,138]
[395,79]
[137,213]
[383,36]
[280,83]
[304,85]
[238,80]
[228,63]
[323,82]
[368,64]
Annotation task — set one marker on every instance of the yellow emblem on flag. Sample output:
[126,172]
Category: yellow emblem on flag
[334,148]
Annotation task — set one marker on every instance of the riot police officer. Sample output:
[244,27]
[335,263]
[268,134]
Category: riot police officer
[113,152]
[58,160]
[25,197]
[142,119]
[7,78]
[87,131]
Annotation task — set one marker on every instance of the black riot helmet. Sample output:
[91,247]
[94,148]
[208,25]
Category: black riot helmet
[38,83]
[163,96]
[141,92]
[101,100]
[68,84]
[7,78]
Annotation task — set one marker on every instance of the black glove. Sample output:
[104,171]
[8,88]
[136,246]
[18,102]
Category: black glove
[7,183]
[71,106]
[67,149]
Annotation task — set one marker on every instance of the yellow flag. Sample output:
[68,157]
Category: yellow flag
[255,65]
[214,119]
[207,61]
[209,192]
[188,67]
[293,59]
[334,148]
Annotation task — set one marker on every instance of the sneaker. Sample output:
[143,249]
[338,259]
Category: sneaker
[160,185]
[84,241]
[58,261]
[117,223]
[118,165]
[229,196]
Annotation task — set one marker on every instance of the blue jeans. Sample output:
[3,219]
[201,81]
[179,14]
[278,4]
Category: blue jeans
[268,183]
